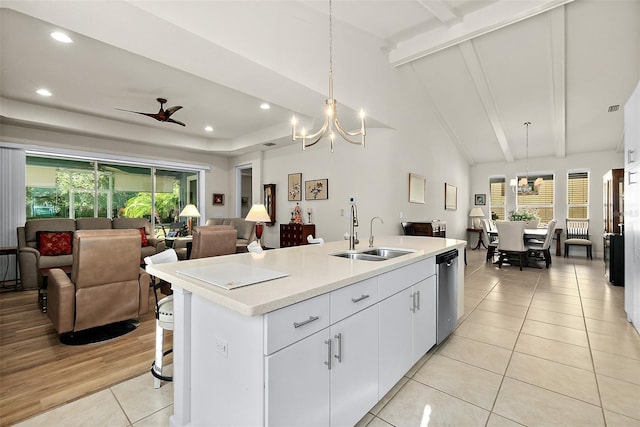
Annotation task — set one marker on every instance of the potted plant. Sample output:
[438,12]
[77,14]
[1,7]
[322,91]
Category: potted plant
[524,215]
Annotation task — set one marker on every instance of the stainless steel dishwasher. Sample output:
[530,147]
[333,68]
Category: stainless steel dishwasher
[447,293]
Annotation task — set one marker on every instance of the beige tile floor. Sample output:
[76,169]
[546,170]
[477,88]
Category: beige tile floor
[536,348]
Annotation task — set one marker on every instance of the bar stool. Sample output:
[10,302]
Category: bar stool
[164,317]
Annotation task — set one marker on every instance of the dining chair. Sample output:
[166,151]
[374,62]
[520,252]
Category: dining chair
[491,245]
[578,235]
[542,249]
[511,242]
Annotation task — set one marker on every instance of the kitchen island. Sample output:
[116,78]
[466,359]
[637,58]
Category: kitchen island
[319,346]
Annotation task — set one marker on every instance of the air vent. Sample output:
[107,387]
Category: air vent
[269,144]
[614,108]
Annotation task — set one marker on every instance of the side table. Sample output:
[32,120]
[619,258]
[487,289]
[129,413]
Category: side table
[8,251]
[480,242]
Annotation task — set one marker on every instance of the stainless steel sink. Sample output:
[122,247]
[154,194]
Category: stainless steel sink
[375,254]
[386,253]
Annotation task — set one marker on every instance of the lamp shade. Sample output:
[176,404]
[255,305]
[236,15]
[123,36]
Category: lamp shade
[476,213]
[190,211]
[258,213]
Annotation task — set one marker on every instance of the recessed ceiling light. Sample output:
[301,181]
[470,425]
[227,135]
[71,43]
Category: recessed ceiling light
[209,128]
[61,37]
[44,92]
[265,106]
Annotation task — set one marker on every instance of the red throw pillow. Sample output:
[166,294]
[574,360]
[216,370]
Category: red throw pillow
[143,236]
[54,242]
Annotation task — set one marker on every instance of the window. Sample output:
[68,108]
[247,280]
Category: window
[541,201]
[65,188]
[578,195]
[496,197]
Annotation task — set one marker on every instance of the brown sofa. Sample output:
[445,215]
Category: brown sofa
[213,240]
[106,285]
[246,233]
[31,261]
[246,229]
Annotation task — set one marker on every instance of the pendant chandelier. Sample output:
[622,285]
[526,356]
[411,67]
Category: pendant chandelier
[522,186]
[331,122]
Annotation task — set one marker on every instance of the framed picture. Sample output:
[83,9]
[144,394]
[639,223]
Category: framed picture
[317,189]
[295,187]
[481,199]
[417,185]
[218,199]
[450,197]
[269,197]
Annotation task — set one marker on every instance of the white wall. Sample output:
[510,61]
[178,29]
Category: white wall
[597,164]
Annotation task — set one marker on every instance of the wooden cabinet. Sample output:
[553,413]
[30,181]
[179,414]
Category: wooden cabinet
[613,200]
[295,234]
[426,228]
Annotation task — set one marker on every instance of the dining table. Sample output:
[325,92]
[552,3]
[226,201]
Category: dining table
[538,234]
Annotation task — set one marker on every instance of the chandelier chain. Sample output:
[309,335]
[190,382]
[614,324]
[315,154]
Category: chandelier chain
[330,38]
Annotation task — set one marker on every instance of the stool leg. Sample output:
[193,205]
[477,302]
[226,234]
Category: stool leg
[158,357]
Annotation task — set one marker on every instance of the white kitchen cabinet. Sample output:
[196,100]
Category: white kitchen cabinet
[424,315]
[354,370]
[297,383]
[632,208]
[407,330]
[330,377]
[395,339]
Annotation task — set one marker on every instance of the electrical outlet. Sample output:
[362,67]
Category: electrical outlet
[222,347]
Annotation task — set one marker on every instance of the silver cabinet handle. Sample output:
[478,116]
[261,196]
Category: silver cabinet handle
[328,362]
[355,300]
[413,302]
[630,157]
[630,174]
[418,299]
[309,320]
[338,356]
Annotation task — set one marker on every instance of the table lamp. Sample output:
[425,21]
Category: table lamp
[476,214]
[258,213]
[190,211]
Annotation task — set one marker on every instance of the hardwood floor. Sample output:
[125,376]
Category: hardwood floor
[38,373]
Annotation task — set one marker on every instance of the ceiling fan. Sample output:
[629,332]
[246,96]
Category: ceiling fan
[162,115]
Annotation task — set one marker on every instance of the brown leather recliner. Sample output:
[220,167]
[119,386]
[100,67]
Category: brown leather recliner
[213,240]
[106,283]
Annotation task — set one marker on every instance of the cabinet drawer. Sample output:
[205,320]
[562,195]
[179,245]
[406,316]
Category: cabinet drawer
[292,323]
[394,281]
[353,298]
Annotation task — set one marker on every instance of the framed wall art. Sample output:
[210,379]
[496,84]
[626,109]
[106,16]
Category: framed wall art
[295,187]
[481,199]
[218,199]
[450,197]
[269,198]
[417,186]
[317,189]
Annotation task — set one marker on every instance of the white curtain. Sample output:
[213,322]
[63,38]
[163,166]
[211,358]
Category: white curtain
[12,208]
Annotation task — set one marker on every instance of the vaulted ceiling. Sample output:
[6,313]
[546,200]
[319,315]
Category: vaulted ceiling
[483,67]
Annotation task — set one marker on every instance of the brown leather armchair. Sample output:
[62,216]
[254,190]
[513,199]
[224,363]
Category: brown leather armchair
[213,240]
[106,283]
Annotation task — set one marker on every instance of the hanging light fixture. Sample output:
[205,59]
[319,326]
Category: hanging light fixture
[522,186]
[331,121]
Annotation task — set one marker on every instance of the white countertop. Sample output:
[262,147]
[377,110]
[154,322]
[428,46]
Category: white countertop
[310,268]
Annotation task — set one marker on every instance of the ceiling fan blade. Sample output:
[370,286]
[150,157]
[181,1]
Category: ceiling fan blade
[176,122]
[169,111]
